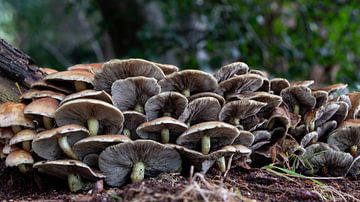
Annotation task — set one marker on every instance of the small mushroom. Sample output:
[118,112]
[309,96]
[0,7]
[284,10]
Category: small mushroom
[43,85]
[167,68]
[121,69]
[325,130]
[132,121]
[354,111]
[308,139]
[332,89]
[46,70]
[98,116]
[278,84]
[75,80]
[207,94]
[170,104]
[317,117]
[88,94]
[24,138]
[321,97]
[201,110]
[137,160]
[188,82]
[32,94]
[299,99]
[231,70]
[132,93]
[71,170]
[164,129]
[21,159]
[43,111]
[245,138]
[305,83]
[12,115]
[92,67]
[346,138]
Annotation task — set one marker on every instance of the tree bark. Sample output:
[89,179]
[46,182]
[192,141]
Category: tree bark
[17,72]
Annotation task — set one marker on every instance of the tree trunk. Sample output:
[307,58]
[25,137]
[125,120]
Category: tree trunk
[17,72]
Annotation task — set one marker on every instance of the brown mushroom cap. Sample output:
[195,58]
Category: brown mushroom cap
[45,144]
[309,139]
[12,114]
[230,70]
[79,111]
[346,137]
[325,129]
[245,138]
[128,93]
[316,118]
[67,79]
[278,84]
[298,96]
[18,157]
[132,120]
[239,84]
[201,110]
[42,107]
[152,129]
[191,81]
[62,168]
[167,103]
[354,111]
[305,83]
[43,85]
[46,70]
[221,134]
[92,67]
[121,69]
[36,94]
[261,135]
[332,89]
[22,136]
[116,161]
[207,94]
[167,68]
[6,134]
[88,94]
[321,97]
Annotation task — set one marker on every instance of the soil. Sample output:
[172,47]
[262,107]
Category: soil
[239,184]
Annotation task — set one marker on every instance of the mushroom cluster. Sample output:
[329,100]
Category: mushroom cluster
[125,120]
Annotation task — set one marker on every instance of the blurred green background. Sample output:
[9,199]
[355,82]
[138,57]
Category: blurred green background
[300,39]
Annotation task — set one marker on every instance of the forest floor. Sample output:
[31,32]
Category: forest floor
[239,185]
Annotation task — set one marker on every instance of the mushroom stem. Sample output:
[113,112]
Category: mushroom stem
[165,135]
[354,150]
[220,162]
[297,109]
[139,108]
[312,125]
[74,182]
[186,92]
[138,172]
[205,144]
[126,132]
[16,129]
[66,148]
[26,146]
[79,86]
[271,124]
[48,122]
[23,168]
[167,114]
[93,126]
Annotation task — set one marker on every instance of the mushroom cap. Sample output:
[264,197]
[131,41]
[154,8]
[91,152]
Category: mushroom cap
[92,67]
[261,135]
[89,94]
[79,111]
[47,70]
[43,85]
[321,115]
[66,78]
[345,137]
[230,70]
[127,93]
[18,157]
[116,161]
[321,97]
[45,144]
[152,129]
[207,94]
[278,84]
[220,134]
[354,111]
[354,168]
[239,84]
[282,117]
[42,107]
[308,138]
[12,114]
[167,68]
[22,136]
[62,168]
[325,129]
[332,89]
[201,110]
[121,69]
[132,120]
[36,94]
[193,80]
[298,95]
[166,102]
[97,144]
[341,114]
[305,83]
[245,138]
[271,100]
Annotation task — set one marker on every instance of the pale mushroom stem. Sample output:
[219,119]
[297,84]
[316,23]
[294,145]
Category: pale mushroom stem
[297,109]
[139,108]
[48,122]
[80,86]
[354,150]
[26,146]
[66,148]
[165,135]
[75,183]
[16,129]
[235,122]
[138,172]
[126,132]
[93,126]
[205,144]
[186,92]
[220,162]
[312,125]
[23,168]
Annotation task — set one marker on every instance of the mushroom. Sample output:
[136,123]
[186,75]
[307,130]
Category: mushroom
[88,94]
[308,139]
[92,67]
[100,117]
[32,94]
[167,68]
[332,89]
[354,168]
[325,129]
[245,138]
[132,120]
[24,138]
[12,115]
[239,85]
[46,70]
[132,93]
[164,129]
[241,113]
[94,145]
[75,80]
[230,70]
[278,84]
[170,104]
[121,69]
[207,94]
[71,170]
[317,117]
[201,110]
[305,83]
[21,159]
[188,82]
[137,160]
[346,138]
[43,85]
[42,110]
[52,144]
[299,99]
[321,97]
[354,111]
